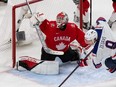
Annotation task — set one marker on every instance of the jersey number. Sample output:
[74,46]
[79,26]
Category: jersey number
[110,44]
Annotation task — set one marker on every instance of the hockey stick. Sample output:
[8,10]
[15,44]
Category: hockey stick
[41,37]
[73,71]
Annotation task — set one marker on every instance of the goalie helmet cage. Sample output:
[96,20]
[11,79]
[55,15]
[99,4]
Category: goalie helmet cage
[14,28]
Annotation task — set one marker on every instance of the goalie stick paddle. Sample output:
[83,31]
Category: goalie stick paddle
[41,37]
[73,71]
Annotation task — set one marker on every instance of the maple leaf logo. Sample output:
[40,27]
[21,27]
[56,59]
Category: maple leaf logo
[60,46]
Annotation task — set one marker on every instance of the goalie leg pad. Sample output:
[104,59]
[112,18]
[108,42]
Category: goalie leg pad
[47,67]
[39,66]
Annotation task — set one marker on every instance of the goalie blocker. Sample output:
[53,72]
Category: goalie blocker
[38,66]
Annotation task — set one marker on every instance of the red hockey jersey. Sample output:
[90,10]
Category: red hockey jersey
[57,39]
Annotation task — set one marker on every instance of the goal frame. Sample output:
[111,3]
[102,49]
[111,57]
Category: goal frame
[14,28]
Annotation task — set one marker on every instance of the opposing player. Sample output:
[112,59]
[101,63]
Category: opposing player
[59,34]
[91,37]
[86,6]
[105,46]
[112,20]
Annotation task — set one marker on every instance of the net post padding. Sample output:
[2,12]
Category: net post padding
[14,29]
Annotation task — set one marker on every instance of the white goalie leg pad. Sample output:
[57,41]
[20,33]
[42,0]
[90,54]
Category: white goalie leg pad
[47,67]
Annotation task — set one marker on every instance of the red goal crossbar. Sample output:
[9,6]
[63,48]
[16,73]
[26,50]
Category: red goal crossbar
[14,29]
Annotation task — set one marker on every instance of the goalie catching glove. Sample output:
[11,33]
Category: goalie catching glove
[37,18]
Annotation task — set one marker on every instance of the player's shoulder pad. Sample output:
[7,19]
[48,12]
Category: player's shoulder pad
[52,23]
[73,25]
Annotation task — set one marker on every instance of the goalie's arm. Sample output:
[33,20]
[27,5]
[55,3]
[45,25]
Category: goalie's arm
[41,37]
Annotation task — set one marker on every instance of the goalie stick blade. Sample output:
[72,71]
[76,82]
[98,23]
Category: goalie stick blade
[57,52]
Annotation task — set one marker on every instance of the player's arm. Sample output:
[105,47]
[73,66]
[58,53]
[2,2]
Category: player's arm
[40,20]
[80,37]
[91,37]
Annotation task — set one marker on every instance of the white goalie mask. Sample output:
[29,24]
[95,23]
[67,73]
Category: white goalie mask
[61,19]
[91,36]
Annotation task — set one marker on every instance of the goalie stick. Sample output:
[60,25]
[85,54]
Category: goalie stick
[41,37]
[73,70]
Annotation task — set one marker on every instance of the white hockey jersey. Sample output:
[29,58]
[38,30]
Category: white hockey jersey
[106,46]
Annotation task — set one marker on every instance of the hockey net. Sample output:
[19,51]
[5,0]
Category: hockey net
[14,50]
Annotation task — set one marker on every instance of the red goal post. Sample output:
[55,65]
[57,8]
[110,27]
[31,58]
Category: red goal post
[14,28]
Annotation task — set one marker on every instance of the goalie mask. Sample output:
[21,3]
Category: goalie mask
[91,36]
[62,20]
